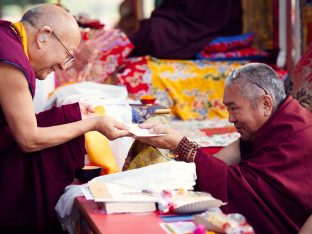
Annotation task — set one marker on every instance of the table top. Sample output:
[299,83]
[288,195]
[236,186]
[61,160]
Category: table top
[118,223]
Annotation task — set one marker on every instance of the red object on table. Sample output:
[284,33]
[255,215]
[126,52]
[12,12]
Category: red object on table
[116,223]
[212,150]
[217,131]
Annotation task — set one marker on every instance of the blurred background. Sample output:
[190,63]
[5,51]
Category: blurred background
[107,11]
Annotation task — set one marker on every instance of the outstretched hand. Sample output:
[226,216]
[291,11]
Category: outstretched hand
[111,128]
[169,140]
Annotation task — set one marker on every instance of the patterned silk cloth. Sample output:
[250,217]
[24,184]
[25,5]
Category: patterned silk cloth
[98,56]
[301,79]
[192,89]
[142,155]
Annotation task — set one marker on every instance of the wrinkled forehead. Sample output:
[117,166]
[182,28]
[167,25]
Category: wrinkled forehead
[232,94]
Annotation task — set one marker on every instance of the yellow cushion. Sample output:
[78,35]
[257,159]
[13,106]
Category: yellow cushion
[99,150]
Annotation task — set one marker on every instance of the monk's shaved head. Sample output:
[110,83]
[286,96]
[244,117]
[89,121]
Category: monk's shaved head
[55,17]
[53,35]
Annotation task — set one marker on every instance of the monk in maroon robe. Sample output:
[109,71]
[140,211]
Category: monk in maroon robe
[180,29]
[266,175]
[39,154]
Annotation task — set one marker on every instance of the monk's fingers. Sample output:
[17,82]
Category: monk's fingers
[90,108]
[121,126]
[160,129]
[147,125]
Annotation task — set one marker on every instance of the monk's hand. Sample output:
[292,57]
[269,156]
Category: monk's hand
[86,110]
[169,139]
[111,128]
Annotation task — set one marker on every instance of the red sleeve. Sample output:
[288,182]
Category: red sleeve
[211,175]
[59,115]
[63,115]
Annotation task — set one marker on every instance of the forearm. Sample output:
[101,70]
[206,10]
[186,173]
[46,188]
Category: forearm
[307,227]
[230,154]
[187,149]
[45,137]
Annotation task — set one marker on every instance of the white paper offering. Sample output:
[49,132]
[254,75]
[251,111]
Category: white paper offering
[140,132]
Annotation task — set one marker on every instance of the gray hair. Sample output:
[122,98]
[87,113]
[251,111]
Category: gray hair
[34,16]
[253,77]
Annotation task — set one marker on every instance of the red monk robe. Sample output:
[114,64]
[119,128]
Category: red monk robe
[31,183]
[272,185]
[180,29]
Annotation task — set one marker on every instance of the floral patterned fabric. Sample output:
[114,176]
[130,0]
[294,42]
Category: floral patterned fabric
[97,57]
[301,79]
[136,76]
[192,89]
[142,154]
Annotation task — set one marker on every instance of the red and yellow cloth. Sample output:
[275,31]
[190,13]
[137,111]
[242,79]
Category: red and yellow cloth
[98,56]
[192,89]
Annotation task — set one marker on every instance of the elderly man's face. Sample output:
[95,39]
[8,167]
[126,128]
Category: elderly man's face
[246,119]
[59,56]
[58,59]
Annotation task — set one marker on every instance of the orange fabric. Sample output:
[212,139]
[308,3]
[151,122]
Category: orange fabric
[99,150]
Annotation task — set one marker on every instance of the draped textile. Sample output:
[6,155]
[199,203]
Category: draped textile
[192,89]
[301,79]
[31,183]
[98,56]
[272,185]
[180,29]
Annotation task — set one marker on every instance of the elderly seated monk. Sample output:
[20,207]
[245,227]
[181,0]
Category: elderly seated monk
[39,153]
[266,174]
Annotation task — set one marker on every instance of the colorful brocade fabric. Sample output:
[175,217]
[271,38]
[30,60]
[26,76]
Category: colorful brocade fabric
[98,56]
[301,79]
[192,89]
[141,154]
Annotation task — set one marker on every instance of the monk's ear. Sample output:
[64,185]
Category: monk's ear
[43,36]
[267,103]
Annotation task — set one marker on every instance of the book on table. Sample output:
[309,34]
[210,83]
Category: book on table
[128,207]
[114,198]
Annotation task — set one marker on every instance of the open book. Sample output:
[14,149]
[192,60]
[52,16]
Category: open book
[115,198]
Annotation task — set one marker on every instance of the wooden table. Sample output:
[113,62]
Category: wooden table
[92,220]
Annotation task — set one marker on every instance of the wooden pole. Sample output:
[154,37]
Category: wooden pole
[289,38]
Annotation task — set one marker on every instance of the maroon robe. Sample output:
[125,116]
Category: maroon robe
[180,29]
[272,185]
[31,183]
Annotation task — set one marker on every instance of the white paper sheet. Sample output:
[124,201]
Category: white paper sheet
[140,132]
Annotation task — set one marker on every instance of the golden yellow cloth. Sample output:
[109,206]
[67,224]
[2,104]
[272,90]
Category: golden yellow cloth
[142,154]
[99,150]
[19,28]
[196,88]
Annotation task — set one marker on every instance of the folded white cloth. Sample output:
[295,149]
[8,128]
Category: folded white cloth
[157,177]
[114,100]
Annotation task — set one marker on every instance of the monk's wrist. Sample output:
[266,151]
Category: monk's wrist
[186,150]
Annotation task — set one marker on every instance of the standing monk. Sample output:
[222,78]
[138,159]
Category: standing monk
[266,175]
[39,154]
